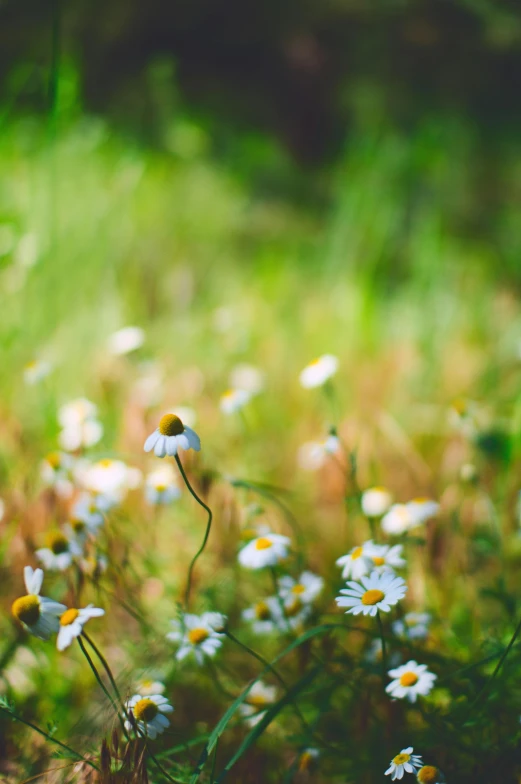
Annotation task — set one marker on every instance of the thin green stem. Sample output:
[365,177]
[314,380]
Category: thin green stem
[206,534]
[48,737]
[161,768]
[384,649]
[106,667]
[101,684]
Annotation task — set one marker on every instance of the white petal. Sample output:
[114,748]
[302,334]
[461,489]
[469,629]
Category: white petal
[160,446]
[193,439]
[171,445]
[151,441]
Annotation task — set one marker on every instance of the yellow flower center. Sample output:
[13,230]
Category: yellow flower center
[315,362]
[401,759]
[294,608]
[262,611]
[421,500]
[57,542]
[105,463]
[408,679]
[357,553]
[78,526]
[170,425]
[69,616]
[263,543]
[160,488]
[373,596]
[378,561]
[298,589]
[257,700]
[197,636]
[26,609]
[54,460]
[145,710]
[428,774]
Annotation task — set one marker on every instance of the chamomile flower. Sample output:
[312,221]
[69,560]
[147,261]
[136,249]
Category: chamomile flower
[319,371]
[313,454]
[198,635]
[357,562]
[247,377]
[259,698]
[170,436]
[306,588]
[80,425]
[422,509]
[60,551]
[386,558]
[148,713]
[55,472]
[376,501]
[410,681]
[110,479]
[87,511]
[429,774]
[265,616]
[161,485]
[38,614]
[404,762]
[376,592]
[413,626]
[72,622]
[125,340]
[36,371]
[233,400]
[308,759]
[398,520]
[264,551]
[147,686]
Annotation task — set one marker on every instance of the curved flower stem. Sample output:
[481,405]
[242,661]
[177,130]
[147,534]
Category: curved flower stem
[106,667]
[48,737]
[101,684]
[384,649]
[207,532]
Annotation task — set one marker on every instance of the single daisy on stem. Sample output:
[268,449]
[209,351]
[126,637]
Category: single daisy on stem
[72,622]
[38,614]
[404,762]
[410,681]
[148,714]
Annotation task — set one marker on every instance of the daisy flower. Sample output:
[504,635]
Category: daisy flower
[161,485]
[313,454]
[376,501]
[59,553]
[147,686]
[377,592]
[386,558]
[265,616]
[259,698]
[422,509]
[80,425]
[430,775]
[404,762]
[319,371]
[170,436]
[263,551]
[306,588]
[36,371]
[199,635]
[125,340]
[410,681]
[38,614]
[357,562]
[233,400]
[148,713]
[87,511]
[398,520]
[414,626]
[308,759]
[72,622]
[110,479]
[247,377]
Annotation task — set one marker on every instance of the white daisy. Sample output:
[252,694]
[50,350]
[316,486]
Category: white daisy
[233,400]
[110,479]
[76,412]
[60,551]
[170,436]
[404,762]
[247,377]
[313,454]
[319,371]
[263,551]
[265,616]
[377,592]
[306,588]
[148,713]
[429,774]
[36,371]
[38,614]
[126,340]
[86,510]
[386,558]
[72,622]
[147,686]
[80,425]
[398,520]
[410,681]
[199,635]
[422,509]
[376,501]
[414,626]
[357,562]
[161,485]
[259,698]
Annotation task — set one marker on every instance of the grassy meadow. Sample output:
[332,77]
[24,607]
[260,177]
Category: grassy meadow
[385,262]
